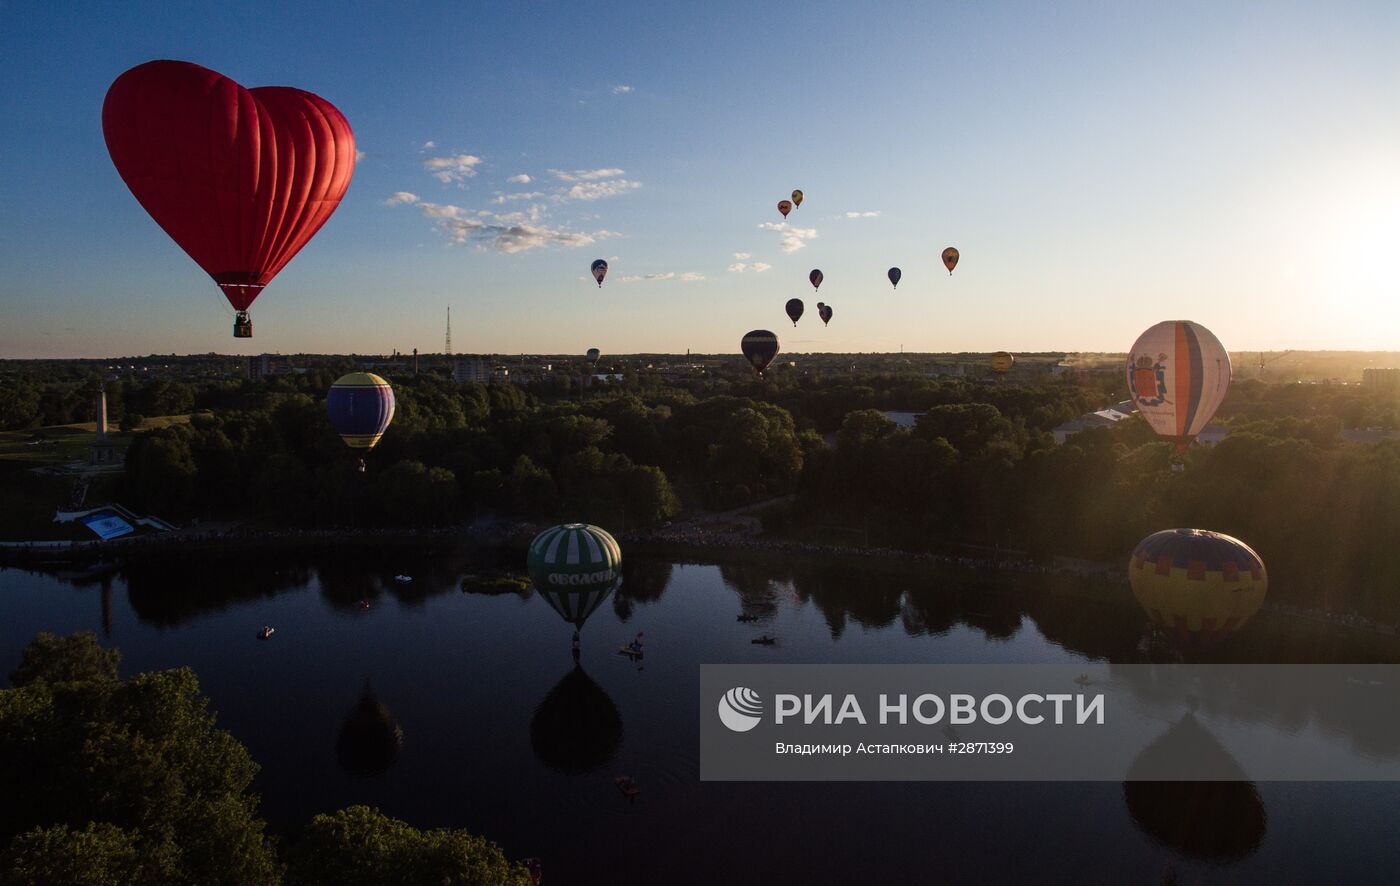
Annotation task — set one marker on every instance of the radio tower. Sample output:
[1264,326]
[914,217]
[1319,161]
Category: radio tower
[447,346]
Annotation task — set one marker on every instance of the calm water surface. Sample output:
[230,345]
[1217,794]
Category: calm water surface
[503,735]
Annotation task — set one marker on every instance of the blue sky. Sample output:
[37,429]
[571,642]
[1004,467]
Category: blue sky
[1101,166]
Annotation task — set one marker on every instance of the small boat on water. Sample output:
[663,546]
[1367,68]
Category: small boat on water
[765,640]
[1083,680]
[364,604]
[267,631]
[746,618]
[403,579]
[629,651]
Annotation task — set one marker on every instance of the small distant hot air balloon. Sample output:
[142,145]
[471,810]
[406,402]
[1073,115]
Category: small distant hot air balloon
[794,309]
[600,270]
[1178,373]
[796,198]
[950,259]
[815,278]
[824,311]
[1198,585]
[1002,362]
[360,405]
[894,275]
[593,355]
[241,179]
[785,206]
[574,566]
[760,347]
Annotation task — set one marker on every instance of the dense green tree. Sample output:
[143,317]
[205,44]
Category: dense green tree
[359,845]
[141,755]
[99,854]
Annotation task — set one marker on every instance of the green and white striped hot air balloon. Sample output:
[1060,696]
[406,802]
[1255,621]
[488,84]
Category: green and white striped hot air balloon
[574,567]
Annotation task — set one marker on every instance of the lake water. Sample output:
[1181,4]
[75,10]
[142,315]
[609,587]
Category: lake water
[503,735]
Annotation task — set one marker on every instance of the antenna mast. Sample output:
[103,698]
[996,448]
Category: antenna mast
[447,346]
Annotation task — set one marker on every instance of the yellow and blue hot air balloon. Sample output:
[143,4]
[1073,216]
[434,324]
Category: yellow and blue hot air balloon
[1198,585]
[361,405]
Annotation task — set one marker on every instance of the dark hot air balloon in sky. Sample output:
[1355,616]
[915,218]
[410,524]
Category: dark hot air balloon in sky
[760,347]
[785,206]
[794,309]
[240,178]
[816,278]
[894,275]
[1178,373]
[360,405]
[796,198]
[600,270]
[824,311]
[593,355]
[1002,362]
[950,259]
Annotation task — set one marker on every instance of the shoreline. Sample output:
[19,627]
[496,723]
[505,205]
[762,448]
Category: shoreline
[675,543]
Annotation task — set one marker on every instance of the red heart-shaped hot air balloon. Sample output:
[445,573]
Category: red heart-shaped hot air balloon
[240,178]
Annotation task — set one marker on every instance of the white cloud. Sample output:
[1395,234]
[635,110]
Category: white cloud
[743,256]
[522,195]
[398,198]
[594,190]
[450,169]
[586,175]
[359,155]
[687,277]
[867,214]
[510,232]
[621,89]
[793,238]
[521,179]
[757,267]
[429,145]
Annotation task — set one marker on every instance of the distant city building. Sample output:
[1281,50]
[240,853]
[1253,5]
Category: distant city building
[470,369]
[1368,435]
[958,370]
[268,364]
[1381,379]
[1101,418]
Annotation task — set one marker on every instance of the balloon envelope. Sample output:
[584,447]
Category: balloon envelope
[796,198]
[600,270]
[240,178]
[1198,585]
[785,206]
[593,355]
[950,259]
[815,278]
[1178,373]
[574,567]
[760,347]
[824,311]
[1002,362]
[360,405]
[794,310]
[894,275]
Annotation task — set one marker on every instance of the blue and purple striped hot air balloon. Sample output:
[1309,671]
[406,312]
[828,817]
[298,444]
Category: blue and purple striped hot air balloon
[360,405]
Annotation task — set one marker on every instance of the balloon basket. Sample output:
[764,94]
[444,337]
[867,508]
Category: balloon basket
[242,325]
